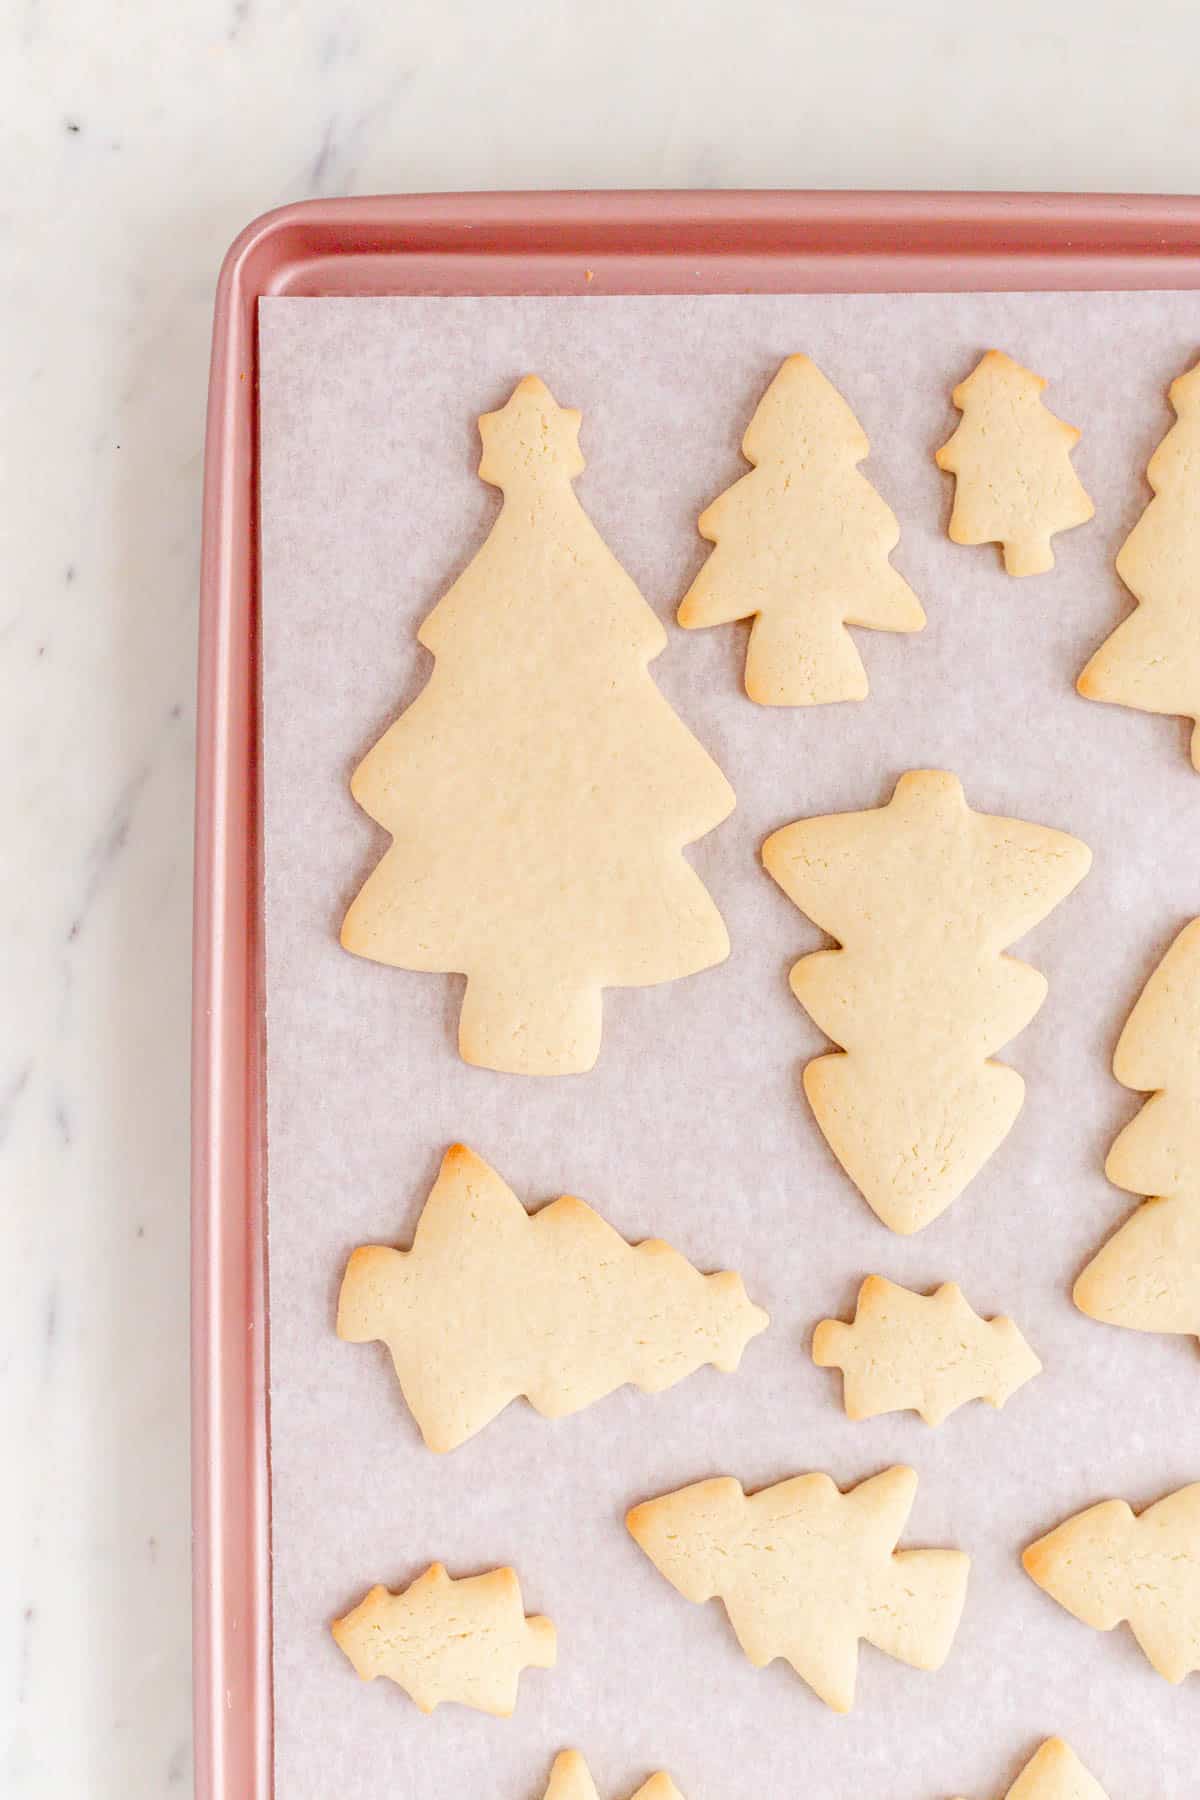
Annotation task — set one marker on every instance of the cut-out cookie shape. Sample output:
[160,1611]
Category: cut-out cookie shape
[802,547]
[493,1302]
[1055,1773]
[1109,1564]
[1012,459]
[1147,1276]
[907,1351]
[806,1571]
[923,895]
[441,1640]
[540,790]
[570,1779]
[1152,660]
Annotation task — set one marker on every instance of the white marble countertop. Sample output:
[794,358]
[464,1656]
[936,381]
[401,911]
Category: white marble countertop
[138,139]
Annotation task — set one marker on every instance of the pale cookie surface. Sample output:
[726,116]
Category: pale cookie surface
[1152,659]
[570,1779]
[540,790]
[493,1302]
[1108,1564]
[806,1571]
[1015,484]
[922,895]
[441,1640]
[802,547]
[929,1354]
[1147,1276]
[1055,1773]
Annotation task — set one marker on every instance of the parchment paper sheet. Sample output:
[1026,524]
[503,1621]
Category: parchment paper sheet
[692,1127]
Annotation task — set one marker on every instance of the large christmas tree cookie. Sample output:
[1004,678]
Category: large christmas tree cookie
[493,1302]
[441,1640]
[1108,1564]
[802,547]
[1055,1773]
[923,895]
[1152,659]
[805,1572]
[1012,458]
[1147,1276]
[540,790]
[931,1353]
[570,1779]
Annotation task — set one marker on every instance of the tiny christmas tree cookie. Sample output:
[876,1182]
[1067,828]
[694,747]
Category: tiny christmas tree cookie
[441,1640]
[806,1571]
[1147,1276]
[1012,461]
[905,1351]
[493,1302]
[1055,1773]
[802,548]
[540,790]
[570,1779]
[1108,1564]
[923,895]
[1152,659]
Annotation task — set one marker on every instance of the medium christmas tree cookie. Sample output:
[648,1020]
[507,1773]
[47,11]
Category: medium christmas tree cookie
[570,1779]
[806,1571]
[802,548]
[1152,659]
[441,1640]
[540,790]
[923,895]
[1055,1773]
[931,1354]
[1012,458]
[1147,1276]
[1108,1564]
[493,1302]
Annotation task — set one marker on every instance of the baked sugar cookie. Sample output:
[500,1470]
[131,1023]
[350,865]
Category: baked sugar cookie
[1108,1564]
[1055,1773]
[493,1302]
[1012,459]
[570,1779]
[1152,659]
[1147,1276]
[441,1640]
[931,1354]
[923,895]
[802,548]
[540,790]
[806,1571]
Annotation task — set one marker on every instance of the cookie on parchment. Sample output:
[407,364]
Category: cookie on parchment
[1012,461]
[805,1572]
[570,1779]
[1055,1773]
[442,1640]
[493,1302]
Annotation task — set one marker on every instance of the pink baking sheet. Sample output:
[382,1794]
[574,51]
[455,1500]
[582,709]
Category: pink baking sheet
[692,1126]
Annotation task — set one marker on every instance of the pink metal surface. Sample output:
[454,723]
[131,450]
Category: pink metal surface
[474,244]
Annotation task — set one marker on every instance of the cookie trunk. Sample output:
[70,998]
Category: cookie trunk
[530,1030]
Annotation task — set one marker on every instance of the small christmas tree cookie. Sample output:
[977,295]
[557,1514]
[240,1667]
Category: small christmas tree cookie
[1012,458]
[449,1640]
[928,1354]
[539,790]
[802,547]
[1152,659]
[806,1571]
[493,1302]
[923,895]
[1108,1564]
[1055,1773]
[570,1779]
[1147,1276]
